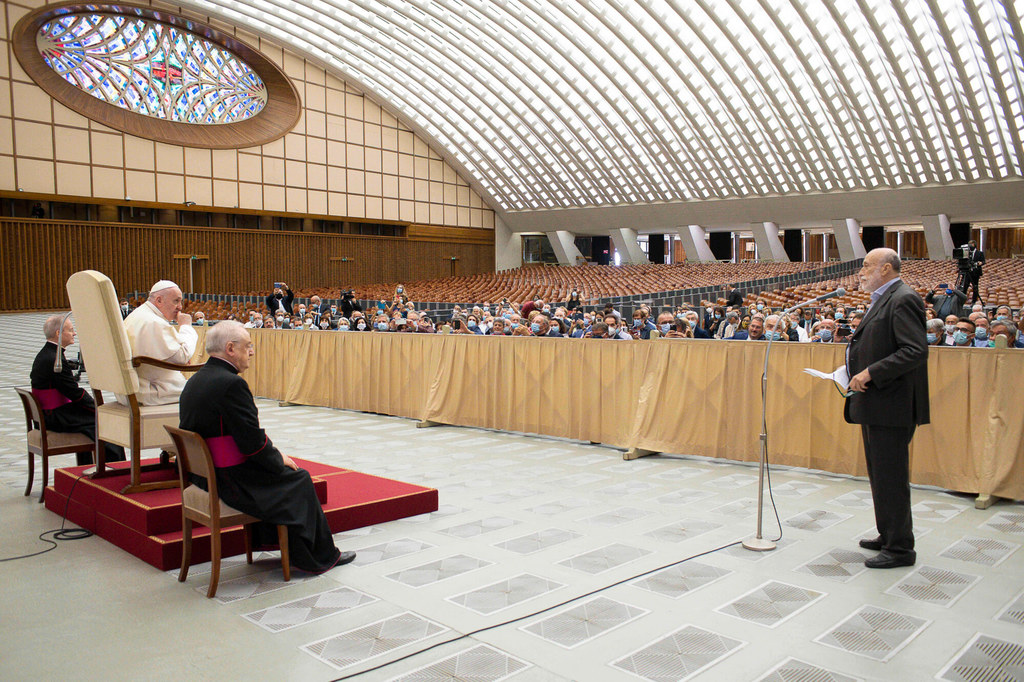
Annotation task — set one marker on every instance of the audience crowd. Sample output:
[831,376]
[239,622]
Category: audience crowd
[740,321]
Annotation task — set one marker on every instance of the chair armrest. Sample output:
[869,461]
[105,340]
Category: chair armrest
[143,360]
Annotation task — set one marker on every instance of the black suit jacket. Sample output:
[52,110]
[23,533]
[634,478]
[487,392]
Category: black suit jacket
[890,342]
[287,301]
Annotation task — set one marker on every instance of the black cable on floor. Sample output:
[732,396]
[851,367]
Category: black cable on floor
[535,613]
[57,533]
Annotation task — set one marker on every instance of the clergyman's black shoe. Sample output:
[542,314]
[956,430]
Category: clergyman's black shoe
[886,560]
[873,545]
[345,558]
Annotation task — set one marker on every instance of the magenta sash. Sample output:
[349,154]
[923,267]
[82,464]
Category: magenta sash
[50,398]
[224,451]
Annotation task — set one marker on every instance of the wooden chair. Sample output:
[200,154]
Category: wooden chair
[103,339]
[206,508]
[46,443]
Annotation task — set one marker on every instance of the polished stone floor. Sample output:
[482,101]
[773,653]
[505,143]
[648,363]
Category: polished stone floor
[547,560]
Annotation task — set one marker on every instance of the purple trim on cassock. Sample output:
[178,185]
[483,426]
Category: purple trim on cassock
[50,398]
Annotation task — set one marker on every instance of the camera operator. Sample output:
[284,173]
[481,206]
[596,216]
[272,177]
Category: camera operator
[280,300]
[977,261]
[946,300]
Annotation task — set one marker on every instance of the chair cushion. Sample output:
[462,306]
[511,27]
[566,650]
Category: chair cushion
[56,440]
[113,420]
[196,499]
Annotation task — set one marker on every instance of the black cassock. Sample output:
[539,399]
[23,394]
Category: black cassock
[77,416]
[216,401]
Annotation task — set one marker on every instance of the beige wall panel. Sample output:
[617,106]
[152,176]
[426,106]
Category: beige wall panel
[389,139]
[170,159]
[407,210]
[419,147]
[354,131]
[35,176]
[316,97]
[462,218]
[406,165]
[449,174]
[250,168]
[295,200]
[7,173]
[337,181]
[422,212]
[388,119]
[335,102]
[64,116]
[421,167]
[5,98]
[451,195]
[436,213]
[389,162]
[317,202]
[374,208]
[4,64]
[391,211]
[107,149]
[371,112]
[108,182]
[170,188]
[33,139]
[275,148]
[373,185]
[356,182]
[139,153]
[273,170]
[356,206]
[316,150]
[451,215]
[72,144]
[372,135]
[294,66]
[300,125]
[74,180]
[199,190]
[250,195]
[406,142]
[225,164]
[6,136]
[316,177]
[31,102]
[353,106]
[371,159]
[198,162]
[315,74]
[462,196]
[422,190]
[406,188]
[225,193]
[273,198]
[337,203]
[436,169]
[475,218]
[140,185]
[389,187]
[336,153]
[354,156]
[488,220]
[295,147]
[295,173]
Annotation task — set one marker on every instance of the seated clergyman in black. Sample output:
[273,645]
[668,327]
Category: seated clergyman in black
[67,407]
[253,476]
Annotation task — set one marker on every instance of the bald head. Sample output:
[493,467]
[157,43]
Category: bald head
[880,266]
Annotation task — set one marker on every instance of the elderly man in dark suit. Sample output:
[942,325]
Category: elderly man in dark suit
[887,363]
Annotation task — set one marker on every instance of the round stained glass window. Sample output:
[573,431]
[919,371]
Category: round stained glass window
[156,75]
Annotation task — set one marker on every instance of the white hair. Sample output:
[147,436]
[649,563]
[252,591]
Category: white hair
[52,325]
[223,333]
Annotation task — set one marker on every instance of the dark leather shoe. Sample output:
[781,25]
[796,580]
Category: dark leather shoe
[873,545]
[345,558]
[887,560]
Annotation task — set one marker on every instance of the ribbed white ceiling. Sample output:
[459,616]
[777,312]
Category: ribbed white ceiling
[551,104]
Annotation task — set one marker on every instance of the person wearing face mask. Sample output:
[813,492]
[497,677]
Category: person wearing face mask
[615,331]
[642,326]
[361,325]
[824,331]
[1002,331]
[715,321]
[307,323]
[125,310]
[325,322]
[946,300]
[343,324]
[665,323]
[280,300]
[934,333]
[380,323]
[694,321]
[282,321]
[775,328]
[251,324]
[950,327]
[574,300]
[980,331]
[199,320]
[730,326]
[497,327]
[963,334]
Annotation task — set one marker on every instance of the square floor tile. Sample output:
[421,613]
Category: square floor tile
[534,542]
[1007,522]
[361,644]
[794,670]
[873,632]
[436,571]
[732,481]
[1014,611]
[738,509]
[685,496]
[475,528]
[936,511]
[685,578]
[837,564]
[627,488]
[584,622]
[505,593]
[986,659]
[771,604]
[984,551]
[389,550]
[604,559]
[685,529]
[559,506]
[796,488]
[933,585]
[617,517]
[255,584]
[857,499]
[679,656]
[308,609]
[481,663]
[816,519]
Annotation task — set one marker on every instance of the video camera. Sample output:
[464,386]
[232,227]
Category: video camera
[962,256]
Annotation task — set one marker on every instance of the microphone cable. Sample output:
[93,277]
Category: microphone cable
[534,613]
[57,533]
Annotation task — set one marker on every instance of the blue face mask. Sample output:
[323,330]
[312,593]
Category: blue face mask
[507,316]
[1002,317]
[382,326]
[991,343]
[637,323]
[472,324]
[825,335]
[718,316]
[514,325]
[960,337]
[534,327]
[932,338]
[760,306]
[343,328]
[665,327]
[981,333]
[774,336]
[840,316]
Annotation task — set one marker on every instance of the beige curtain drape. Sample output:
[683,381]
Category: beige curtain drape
[670,395]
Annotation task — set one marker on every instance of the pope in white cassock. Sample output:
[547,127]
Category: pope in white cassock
[151,334]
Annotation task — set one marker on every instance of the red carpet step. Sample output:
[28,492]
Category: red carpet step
[148,525]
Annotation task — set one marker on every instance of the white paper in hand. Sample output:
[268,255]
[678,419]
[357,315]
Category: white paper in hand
[840,377]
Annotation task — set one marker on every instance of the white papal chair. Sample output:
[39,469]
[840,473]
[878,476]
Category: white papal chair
[104,344]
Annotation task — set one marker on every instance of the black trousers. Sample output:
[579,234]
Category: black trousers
[975,292]
[887,449]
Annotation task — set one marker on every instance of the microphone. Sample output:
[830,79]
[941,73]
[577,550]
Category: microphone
[839,292]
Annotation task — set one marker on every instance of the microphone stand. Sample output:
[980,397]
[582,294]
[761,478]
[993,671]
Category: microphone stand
[759,543]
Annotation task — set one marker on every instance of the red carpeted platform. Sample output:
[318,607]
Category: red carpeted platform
[148,524]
